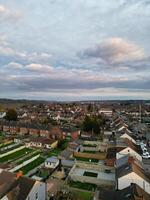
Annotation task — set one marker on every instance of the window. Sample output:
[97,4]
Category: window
[36,195]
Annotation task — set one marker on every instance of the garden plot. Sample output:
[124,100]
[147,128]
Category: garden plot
[9,148]
[15,155]
[92,174]
[11,151]
[28,157]
[25,161]
[32,165]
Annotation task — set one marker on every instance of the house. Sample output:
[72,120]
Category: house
[121,127]
[133,192]
[6,128]
[44,132]
[132,150]
[23,130]
[2,115]
[132,173]
[128,136]
[56,133]
[42,143]
[123,160]
[52,162]
[13,129]
[16,186]
[106,111]
[33,131]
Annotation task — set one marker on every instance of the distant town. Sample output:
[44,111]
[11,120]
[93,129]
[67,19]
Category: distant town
[86,150]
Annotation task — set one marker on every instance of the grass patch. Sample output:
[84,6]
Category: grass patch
[32,165]
[28,157]
[83,186]
[15,155]
[54,152]
[91,174]
[63,144]
[84,195]
[43,174]
[87,160]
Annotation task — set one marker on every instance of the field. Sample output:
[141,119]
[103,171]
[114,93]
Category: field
[15,155]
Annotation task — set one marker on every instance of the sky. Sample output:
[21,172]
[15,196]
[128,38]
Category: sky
[75,49]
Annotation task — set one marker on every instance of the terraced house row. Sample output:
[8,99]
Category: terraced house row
[54,132]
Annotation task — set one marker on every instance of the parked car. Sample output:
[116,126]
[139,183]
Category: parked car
[144,149]
[146,155]
[141,143]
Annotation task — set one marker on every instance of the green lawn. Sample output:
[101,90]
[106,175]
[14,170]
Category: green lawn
[32,165]
[91,174]
[15,155]
[28,157]
[87,159]
[84,195]
[83,186]
[54,152]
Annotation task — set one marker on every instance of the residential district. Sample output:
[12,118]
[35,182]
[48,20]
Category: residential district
[75,151]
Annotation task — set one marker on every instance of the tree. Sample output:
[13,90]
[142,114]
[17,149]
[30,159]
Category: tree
[11,115]
[94,124]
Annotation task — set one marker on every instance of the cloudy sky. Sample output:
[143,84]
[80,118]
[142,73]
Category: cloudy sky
[75,49]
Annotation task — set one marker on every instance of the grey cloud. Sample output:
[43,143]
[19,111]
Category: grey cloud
[114,50]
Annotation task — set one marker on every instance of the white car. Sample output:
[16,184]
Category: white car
[146,155]
[144,149]
[141,143]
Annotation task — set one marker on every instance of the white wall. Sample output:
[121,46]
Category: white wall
[51,164]
[128,137]
[129,151]
[126,181]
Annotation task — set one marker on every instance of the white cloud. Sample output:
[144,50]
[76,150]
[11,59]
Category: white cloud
[39,68]
[9,14]
[7,50]
[14,65]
